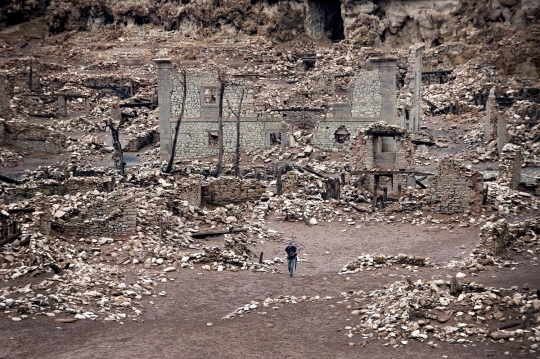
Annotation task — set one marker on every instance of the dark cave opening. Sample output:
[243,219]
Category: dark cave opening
[330,13]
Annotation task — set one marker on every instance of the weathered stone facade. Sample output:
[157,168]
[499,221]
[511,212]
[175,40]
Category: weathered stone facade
[454,189]
[510,166]
[199,128]
[410,96]
[371,97]
[226,190]
[30,136]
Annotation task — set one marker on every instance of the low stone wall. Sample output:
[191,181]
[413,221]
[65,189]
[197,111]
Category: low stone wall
[30,136]
[455,189]
[52,187]
[187,189]
[143,139]
[510,166]
[113,214]
[494,236]
[226,190]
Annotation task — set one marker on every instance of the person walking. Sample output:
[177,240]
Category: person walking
[292,254]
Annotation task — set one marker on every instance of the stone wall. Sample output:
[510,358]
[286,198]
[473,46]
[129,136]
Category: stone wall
[5,109]
[510,166]
[141,140]
[112,214]
[50,187]
[490,118]
[187,189]
[31,136]
[494,236]
[410,96]
[371,97]
[454,189]
[200,123]
[226,190]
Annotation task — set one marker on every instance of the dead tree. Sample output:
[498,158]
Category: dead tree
[220,125]
[177,128]
[237,115]
[118,154]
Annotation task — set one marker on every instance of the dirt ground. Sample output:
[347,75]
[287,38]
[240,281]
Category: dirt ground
[176,326]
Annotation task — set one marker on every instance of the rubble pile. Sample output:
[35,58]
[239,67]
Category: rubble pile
[10,158]
[275,303]
[427,311]
[367,262]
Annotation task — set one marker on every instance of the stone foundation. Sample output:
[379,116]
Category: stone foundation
[30,136]
[113,214]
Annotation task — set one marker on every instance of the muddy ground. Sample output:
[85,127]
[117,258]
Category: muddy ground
[176,326]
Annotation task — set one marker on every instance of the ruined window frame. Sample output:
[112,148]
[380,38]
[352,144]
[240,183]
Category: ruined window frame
[214,88]
[212,138]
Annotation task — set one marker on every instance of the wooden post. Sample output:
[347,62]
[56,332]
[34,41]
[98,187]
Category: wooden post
[261,258]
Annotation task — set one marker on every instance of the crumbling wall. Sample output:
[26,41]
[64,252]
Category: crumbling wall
[51,187]
[198,132]
[31,136]
[454,189]
[364,148]
[112,214]
[5,110]
[510,166]
[226,190]
[410,96]
[187,189]
[141,140]
[494,236]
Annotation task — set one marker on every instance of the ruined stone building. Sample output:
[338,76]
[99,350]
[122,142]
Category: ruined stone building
[198,135]
[371,97]
[383,154]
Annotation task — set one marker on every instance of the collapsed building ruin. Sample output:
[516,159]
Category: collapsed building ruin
[371,97]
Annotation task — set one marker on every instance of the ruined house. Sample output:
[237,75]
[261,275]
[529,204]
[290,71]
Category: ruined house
[198,135]
[383,154]
[372,97]
[454,189]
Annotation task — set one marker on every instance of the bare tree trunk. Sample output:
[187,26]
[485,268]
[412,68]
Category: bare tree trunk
[220,127]
[118,155]
[237,151]
[177,128]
